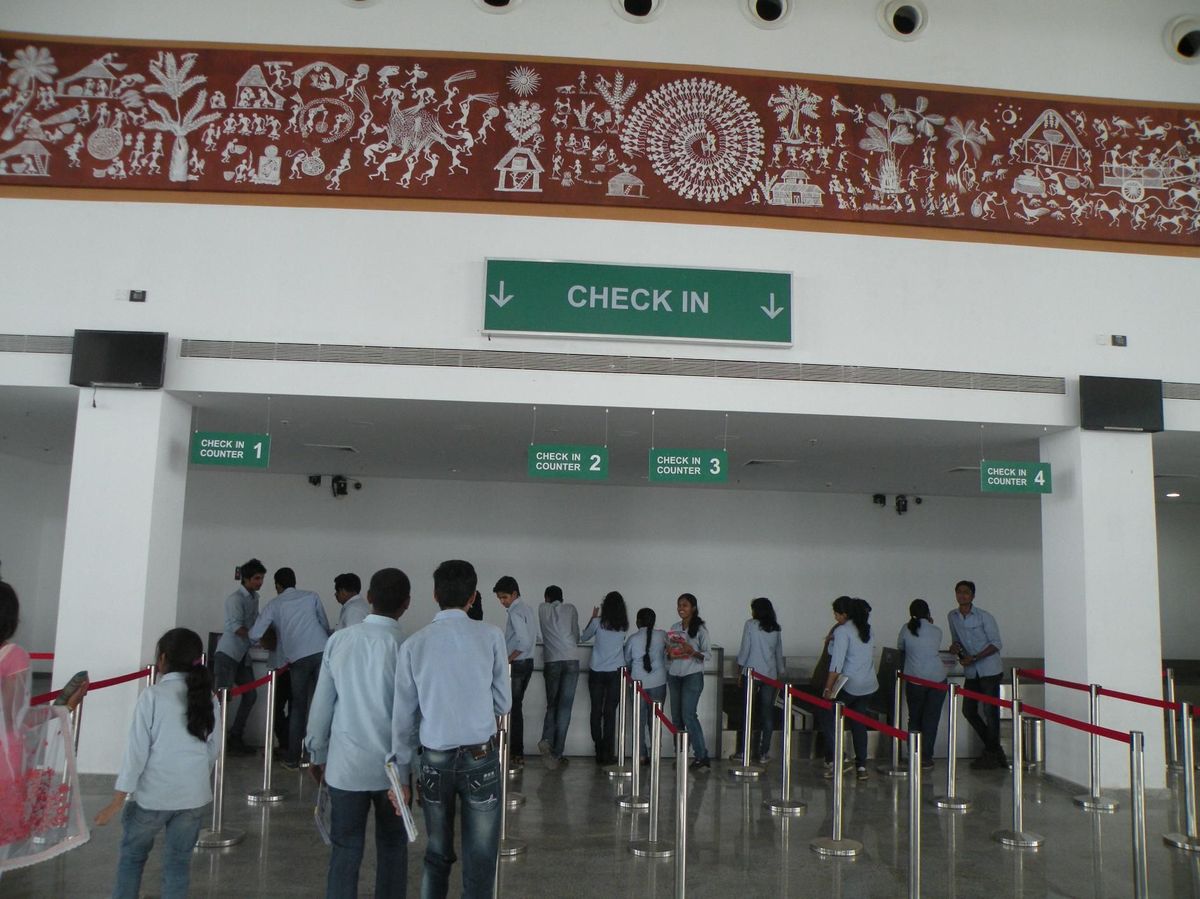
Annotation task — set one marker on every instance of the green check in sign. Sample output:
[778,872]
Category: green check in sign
[641,301]
[579,463]
[1014,477]
[689,466]
[218,448]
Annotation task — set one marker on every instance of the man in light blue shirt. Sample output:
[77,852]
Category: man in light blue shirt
[231,661]
[347,591]
[452,682]
[976,642]
[350,734]
[300,621]
[559,623]
[519,636]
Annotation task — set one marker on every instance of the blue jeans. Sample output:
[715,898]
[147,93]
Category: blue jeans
[304,681]
[858,732]
[685,697]
[139,828]
[924,715]
[227,672]
[658,694]
[450,778]
[561,680]
[348,817]
[986,725]
[604,687]
[763,725]
[521,670]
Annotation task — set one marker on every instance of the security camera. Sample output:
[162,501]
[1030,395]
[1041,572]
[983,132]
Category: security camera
[879,499]
[901,503]
[358,486]
[315,480]
[338,484]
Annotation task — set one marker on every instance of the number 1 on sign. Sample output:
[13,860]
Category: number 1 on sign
[258,450]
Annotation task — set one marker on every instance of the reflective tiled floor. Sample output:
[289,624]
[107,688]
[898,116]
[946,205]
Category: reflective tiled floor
[577,843]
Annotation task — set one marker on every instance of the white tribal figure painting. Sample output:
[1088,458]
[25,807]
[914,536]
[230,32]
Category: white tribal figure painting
[425,126]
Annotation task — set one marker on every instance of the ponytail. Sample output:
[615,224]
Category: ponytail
[858,612]
[918,611]
[646,619]
[182,650]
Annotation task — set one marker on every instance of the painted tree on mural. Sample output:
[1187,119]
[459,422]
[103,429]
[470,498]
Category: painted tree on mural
[173,81]
[30,67]
[965,140]
[791,102]
[896,127]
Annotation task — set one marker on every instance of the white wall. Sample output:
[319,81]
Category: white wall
[33,514]
[801,550]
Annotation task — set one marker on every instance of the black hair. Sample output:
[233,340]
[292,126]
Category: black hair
[252,568]
[475,609]
[970,585]
[350,581]
[389,591]
[613,616]
[553,593]
[763,612]
[454,583]
[697,622]
[918,611]
[646,619]
[858,611]
[10,611]
[285,578]
[506,584]
[181,649]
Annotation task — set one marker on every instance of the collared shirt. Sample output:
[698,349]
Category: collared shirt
[241,609]
[635,650]
[976,632]
[164,765]
[684,667]
[300,621]
[761,651]
[850,655]
[354,611]
[519,632]
[921,657]
[608,647]
[349,721]
[560,631]
[443,678]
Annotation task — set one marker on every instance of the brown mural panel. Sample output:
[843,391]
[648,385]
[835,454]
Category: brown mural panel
[422,126]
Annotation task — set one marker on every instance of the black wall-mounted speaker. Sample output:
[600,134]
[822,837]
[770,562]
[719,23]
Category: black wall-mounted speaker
[1120,404]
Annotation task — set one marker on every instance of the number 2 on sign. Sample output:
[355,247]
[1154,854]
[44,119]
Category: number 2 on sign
[595,466]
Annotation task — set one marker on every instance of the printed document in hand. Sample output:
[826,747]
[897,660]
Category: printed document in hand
[322,812]
[410,826]
[837,686]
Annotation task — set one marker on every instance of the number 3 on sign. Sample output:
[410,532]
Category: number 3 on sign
[714,466]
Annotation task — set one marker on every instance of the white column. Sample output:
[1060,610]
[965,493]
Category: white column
[1100,596]
[120,574]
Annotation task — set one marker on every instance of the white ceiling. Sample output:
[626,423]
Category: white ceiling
[488,441]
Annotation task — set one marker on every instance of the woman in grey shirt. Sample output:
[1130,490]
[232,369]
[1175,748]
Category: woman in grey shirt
[920,641]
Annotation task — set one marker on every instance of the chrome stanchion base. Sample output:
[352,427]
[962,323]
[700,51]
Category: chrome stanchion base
[515,799]
[510,848]
[652,849]
[617,771]
[840,848]
[788,807]
[264,796]
[951,803]
[1182,841]
[219,839]
[633,802]
[747,771]
[1018,839]
[893,770]
[514,773]
[305,763]
[1091,803]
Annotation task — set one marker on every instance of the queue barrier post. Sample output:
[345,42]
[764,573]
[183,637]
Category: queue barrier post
[951,801]
[1017,837]
[634,800]
[835,844]
[619,769]
[508,847]
[746,769]
[1137,795]
[512,799]
[914,814]
[1172,730]
[785,804]
[149,676]
[652,846]
[77,723]
[895,769]
[1092,801]
[681,804]
[1189,841]
[218,836]
[266,793]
